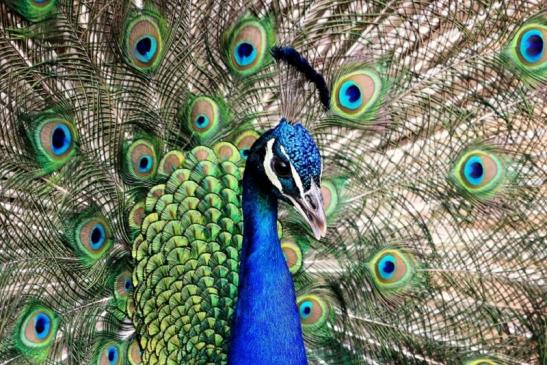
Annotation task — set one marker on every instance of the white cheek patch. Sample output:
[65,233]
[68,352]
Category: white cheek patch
[268,166]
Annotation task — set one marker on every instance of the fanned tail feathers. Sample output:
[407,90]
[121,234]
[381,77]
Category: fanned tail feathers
[124,128]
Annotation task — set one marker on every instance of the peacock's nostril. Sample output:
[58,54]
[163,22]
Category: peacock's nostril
[311,202]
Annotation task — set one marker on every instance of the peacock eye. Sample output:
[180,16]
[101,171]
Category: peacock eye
[357,93]
[141,159]
[33,10]
[479,172]
[293,256]
[57,139]
[110,354]
[36,331]
[134,353]
[245,141]
[143,41]
[313,311]
[391,269]
[54,140]
[531,45]
[280,167]
[527,52]
[248,44]
[93,238]
[204,117]
[123,285]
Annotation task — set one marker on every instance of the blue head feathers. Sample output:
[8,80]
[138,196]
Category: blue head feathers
[296,143]
[286,161]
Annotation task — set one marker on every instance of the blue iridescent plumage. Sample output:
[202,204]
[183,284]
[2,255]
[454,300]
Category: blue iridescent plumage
[266,305]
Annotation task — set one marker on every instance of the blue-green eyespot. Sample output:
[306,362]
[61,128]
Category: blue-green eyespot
[248,45]
[36,331]
[479,173]
[141,160]
[313,310]
[110,354]
[143,40]
[54,139]
[526,51]
[357,93]
[392,269]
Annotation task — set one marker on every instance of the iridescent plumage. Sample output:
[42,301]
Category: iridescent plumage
[331,182]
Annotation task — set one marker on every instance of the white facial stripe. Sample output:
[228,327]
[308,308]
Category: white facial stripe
[295,175]
[268,165]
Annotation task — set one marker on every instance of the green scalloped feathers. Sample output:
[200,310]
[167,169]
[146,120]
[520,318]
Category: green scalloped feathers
[479,173]
[393,271]
[358,92]
[135,218]
[35,332]
[109,353]
[90,235]
[247,45]
[140,159]
[203,117]
[33,10]
[526,51]
[171,161]
[187,257]
[143,38]
[53,137]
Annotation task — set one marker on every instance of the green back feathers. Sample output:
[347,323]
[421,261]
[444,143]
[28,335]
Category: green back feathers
[190,241]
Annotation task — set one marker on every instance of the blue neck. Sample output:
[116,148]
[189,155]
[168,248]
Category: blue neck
[266,328]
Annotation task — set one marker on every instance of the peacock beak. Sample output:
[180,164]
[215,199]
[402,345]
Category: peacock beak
[311,208]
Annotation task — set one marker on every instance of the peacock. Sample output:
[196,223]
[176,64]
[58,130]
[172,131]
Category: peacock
[273,182]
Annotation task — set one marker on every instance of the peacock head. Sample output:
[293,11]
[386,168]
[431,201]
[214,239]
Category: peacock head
[287,163]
